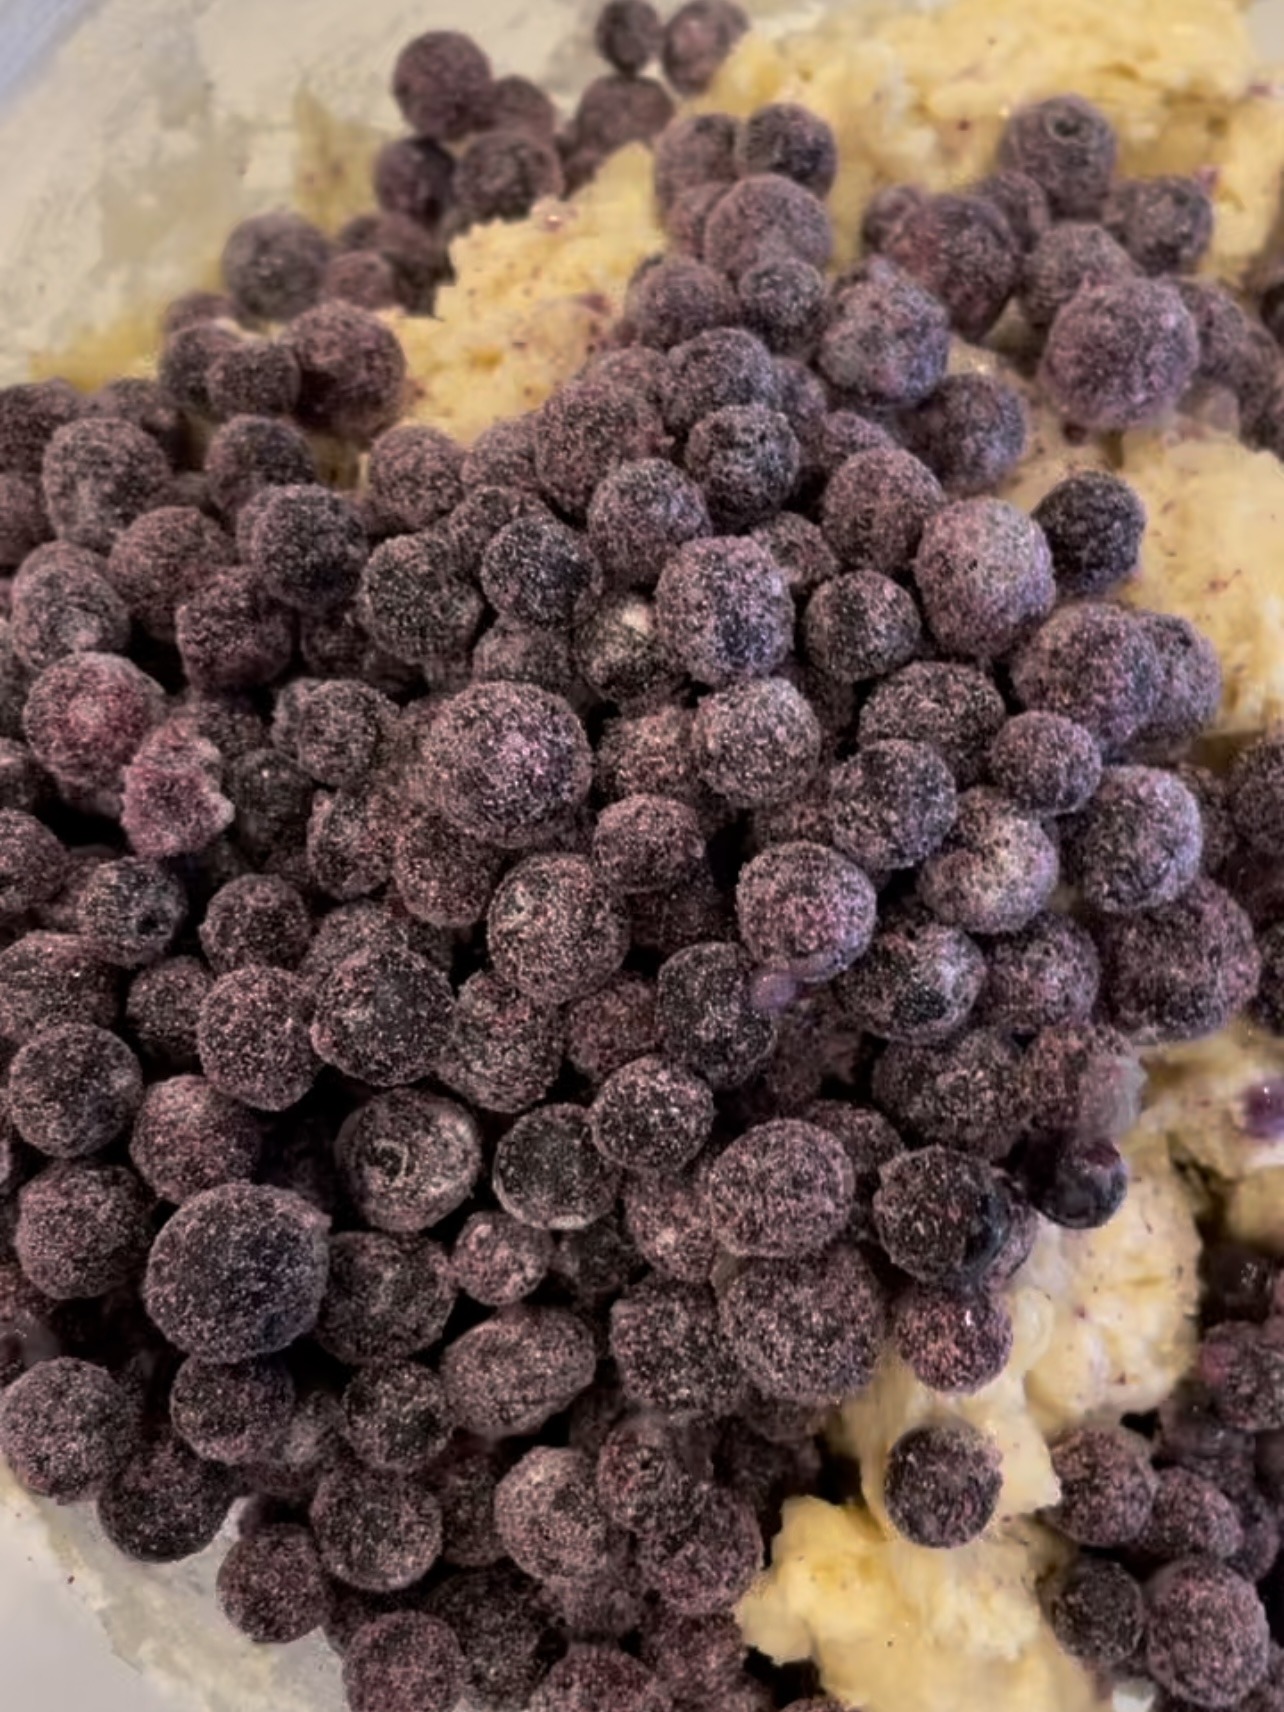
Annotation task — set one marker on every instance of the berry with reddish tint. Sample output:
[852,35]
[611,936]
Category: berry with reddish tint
[941,1216]
[386,1298]
[955,1340]
[66,1427]
[1066,259]
[51,978]
[408,1159]
[253,1038]
[128,911]
[498,1260]
[710,1561]
[1189,1515]
[587,429]
[707,1017]
[918,980]
[503,1050]
[164,558]
[72,1090]
[1066,145]
[804,909]
[1207,1637]
[1095,664]
[553,930]
[548,1516]
[272,265]
[33,864]
[271,1586]
[941,1484]
[787,139]
[888,344]
[166,1503]
[250,453]
[30,415]
[233,635]
[98,475]
[253,378]
[515,1371]
[1256,787]
[24,523]
[382,1015]
[502,174]
[61,603]
[395,1416]
[805,1331]
[1107,1486]
[1097,1612]
[697,39]
[375,1531]
[613,111]
[964,1093]
[962,250]
[670,1352]
[414,477]
[1047,973]
[628,34]
[651,1116]
[1083,1079]
[781,1189]
[442,83]
[1021,201]
[971,433]
[1045,763]
[352,370]
[984,575]
[86,715]
[757,742]
[668,1221]
[547,1173]
[1137,844]
[1120,354]
[232,1412]
[403,1662]
[255,919]
[1165,224]
[83,1229]
[1243,1367]
[413,176]
[647,843]
[642,1482]
[1190,689]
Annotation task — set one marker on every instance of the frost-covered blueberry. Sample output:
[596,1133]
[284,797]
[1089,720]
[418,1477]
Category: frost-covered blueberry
[162,559]
[757,742]
[941,1484]
[31,413]
[697,39]
[746,459]
[257,918]
[1083,1079]
[553,929]
[51,978]
[128,911]
[710,1562]
[352,370]
[955,1340]
[645,843]
[414,476]
[87,714]
[1165,223]
[1256,792]
[706,1015]
[892,804]
[254,377]
[1182,971]
[788,139]
[587,429]
[885,210]
[547,1172]
[66,1426]
[941,1216]
[1120,354]
[1107,1485]
[918,980]
[1069,147]
[1022,202]
[1189,1515]
[376,1531]
[408,1159]
[272,265]
[415,599]
[800,549]
[861,625]
[442,876]
[24,524]
[73,1089]
[442,83]
[498,1260]
[165,1503]
[250,453]
[962,250]
[233,635]
[955,708]
[668,1221]
[1190,684]
[1045,763]
[1207,1636]
[1097,1612]
[971,433]
[643,1483]
[83,1229]
[548,1516]
[995,870]
[395,1416]
[33,863]
[515,1371]
[271,1586]
[628,34]
[762,215]
[964,1093]
[640,514]
[804,909]
[504,1049]
[233,1412]
[651,1116]
[1138,842]
[673,298]
[253,1037]
[721,367]
[807,1331]
[782,300]
[1047,973]
[307,546]
[386,1297]
[781,1189]
[1095,664]
[538,572]
[984,575]
[670,1353]
[723,610]
[502,174]
[889,342]
[62,603]
[1070,256]
[1242,1366]
[98,474]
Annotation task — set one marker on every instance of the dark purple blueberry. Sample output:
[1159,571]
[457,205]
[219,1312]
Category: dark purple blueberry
[272,265]
[697,39]
[805,1331]
[706,1015]
[375,1531]
[403,1661]
[746,459]
[892,804]
[272,797]
[442,83]
[1095,664]
[1190,683]
[31,413]
[787,139]
[1094,525]
[714,369]
[1238,1281]
[917,982]
[416,601]
[1256,787]
[1022,202]
[253,378]
[1069,147]
[502,174]
[1165,224]
[710,1561]
[1207,1637]
[1069,257]
[1048,973]
[503,1630]
[232,635]
[414,176]
[964,1093]
[510,653]
[166,1503]
[610,1028]
[238,1271]
[647,843]
[51,978]
[364,278]
[585,431]
[984,575]
[33,864]
[628,34]
[1236,353]
[1137,844]
[83,1229]
[1182,971]
[255,919]
[172,801]
[442,876]
[73,1089]
[253,1038]
[805,910]
[651,1116]
[128,911]
[640,514]
[464,1478]
[98,475]
[395,1416]
[643,1483]
[781,1189]
[616,110]
[1264,1105]
[547,1173]
[1097,1612]
[506,762]
[954,1340]
[352,369]
[941,1216]
[498,1260]
[671,1354]
[757,742]
[672,299]
[1083,1079]
[66,1427]
[782,301]
[698,1659]
[1077,1181]
[971,433]
[515,1371]
[250,453]
[232,1412]
[414,476]
[61,602]
[954,708]
[271,1586]
[800,549]
[597,1676]
[382,1015]
[553,930]
[765,214]
[188,354]
[408,1159]
[307,547]
[86,715]
[1120,354]
[723,610]
[386,1298]
[962,250]
[1045,763]
[503,1050]
[995,870]
[861,625]
[941,1484]
[548,1516]
[24,523]
[885,210]
[888,344]
[695,154]
[1107,1486]
[162,559]
[1243,1367]
[537,572]
[1189,1515]
[668,1220]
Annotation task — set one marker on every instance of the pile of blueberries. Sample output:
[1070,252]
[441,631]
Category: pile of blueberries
[521,978]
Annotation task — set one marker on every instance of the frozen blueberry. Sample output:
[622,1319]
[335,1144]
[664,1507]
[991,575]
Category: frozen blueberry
[386,1298]
[984,575]
[714,369]
[414,176]
[723,610]
[536,571]
[442,83]
[1181,971]
[501,174]
[892,804]
[30,415]
[66,1427]
[254,377]
[647,843]
[395,1416]
[61,603]
[640,514]
[512,1373]
[651,1116]
[162,559]
[610,1028]
[1207,1638]
[1067,258]
[708,1563]
[1097,1612]
[962,250]
[250,453]
[33,864]
[352,370]
[1256,798]
[83,1229]
[1107,1486]
[416,600]
[382,1015]
[706,1015]
[272,798]
[548,1516]
[498,1260]
[628,34]
[272,265]
[1095,664]
[1243,1367]
[1022,202]
[888,344]
[22,789]
[1165,224]
[1047,973]
[1120,354]
[954,708]
[376,1531]
[781,1189]
[238,1271]
[408,1159]
[1189,1515]
[885,210]
[547,1173]
[253,1038]
[875,507]
[73,1089]
[1045,763]
[782,301]
[188,354]
[971,433]
[757,742]
[746,459]
[506,762]
[271,1586]
[403,1661]
[697,39]
[414,476]
[1066,145]
[1190,683]
[255,919]
[165,1503]
[696,1658]
[762,215]
[995,869]
[613,111]
[964,1093]
[51,978]
[553,929]
[1137,844]
[128,911]
[805,1330]
[502,1630]
[586,430]
[234,1413]
[668,1220]
[1083,1079]
[787,139]
[955,1340]
[800,549]
[642,1481]
[98,475]
[941,1216]
[860,626]
[232,634]
[307,547]
[670,1353]
[24,523]
[917,982]
[941,1484]
[86,715]
[503,1050]
[442,875]
[805,910]
[1235,351]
